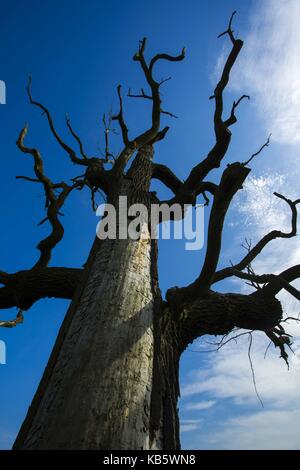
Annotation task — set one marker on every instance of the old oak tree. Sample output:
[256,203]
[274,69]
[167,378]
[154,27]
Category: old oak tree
[112,378]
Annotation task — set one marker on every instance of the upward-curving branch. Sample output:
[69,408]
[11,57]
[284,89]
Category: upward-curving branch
[53,202]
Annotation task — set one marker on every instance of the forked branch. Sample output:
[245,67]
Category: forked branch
[120,118]
[256,250]
[152,134]
[231,181]
[72,154]
[222,133]
[229,30]
[53,202]
[232,118]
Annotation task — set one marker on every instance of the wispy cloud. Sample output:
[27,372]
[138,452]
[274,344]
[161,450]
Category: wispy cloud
[200,405]
[271,430]
[269,68]
[227,375]
[187,425]
[255,212]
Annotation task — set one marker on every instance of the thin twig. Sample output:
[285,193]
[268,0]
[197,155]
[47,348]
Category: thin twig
[267,349]
[229,31]
[252,370]
[266,144]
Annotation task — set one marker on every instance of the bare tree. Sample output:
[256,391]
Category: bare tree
[112,378]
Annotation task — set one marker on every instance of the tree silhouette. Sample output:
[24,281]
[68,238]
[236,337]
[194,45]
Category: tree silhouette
[112,378]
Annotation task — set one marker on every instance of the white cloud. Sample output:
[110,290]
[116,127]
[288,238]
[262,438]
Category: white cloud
[200,405]
[259,208]
[270,430]
[269,67]
[255,212]
[187,425]
[269,70]
[228,375]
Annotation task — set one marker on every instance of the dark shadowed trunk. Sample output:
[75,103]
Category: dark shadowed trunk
[112,380]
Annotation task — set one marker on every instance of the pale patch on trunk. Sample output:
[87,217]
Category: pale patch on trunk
[98,396]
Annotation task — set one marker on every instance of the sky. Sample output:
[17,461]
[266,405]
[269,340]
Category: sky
[77,53]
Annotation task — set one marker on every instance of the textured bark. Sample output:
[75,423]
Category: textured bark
[112,379]
[24,288]
[99,393]
[218,314]
[164,424]
[97,390]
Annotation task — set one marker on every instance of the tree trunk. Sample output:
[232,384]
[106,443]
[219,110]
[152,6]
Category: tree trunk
[112,379]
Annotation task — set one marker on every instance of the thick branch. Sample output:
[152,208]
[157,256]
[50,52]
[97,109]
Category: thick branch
[275,282]
[222,133]
[282,281]
[231,181]
[182,195]
[25,288]
[256,250]
[218,93]
[166,176]
[218,314]
[167,57]
[185,196]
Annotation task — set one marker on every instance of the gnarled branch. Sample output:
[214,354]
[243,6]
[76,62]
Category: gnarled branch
[153,134]
[120,118]
[229,30]
[53,202]
[232,118]
[24,288]
[231,181]
[266,144]
[256,250]
[222,133]
[166,176]
[76,137]
[72,154]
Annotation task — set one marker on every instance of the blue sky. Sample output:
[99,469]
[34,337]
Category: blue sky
[77,53]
